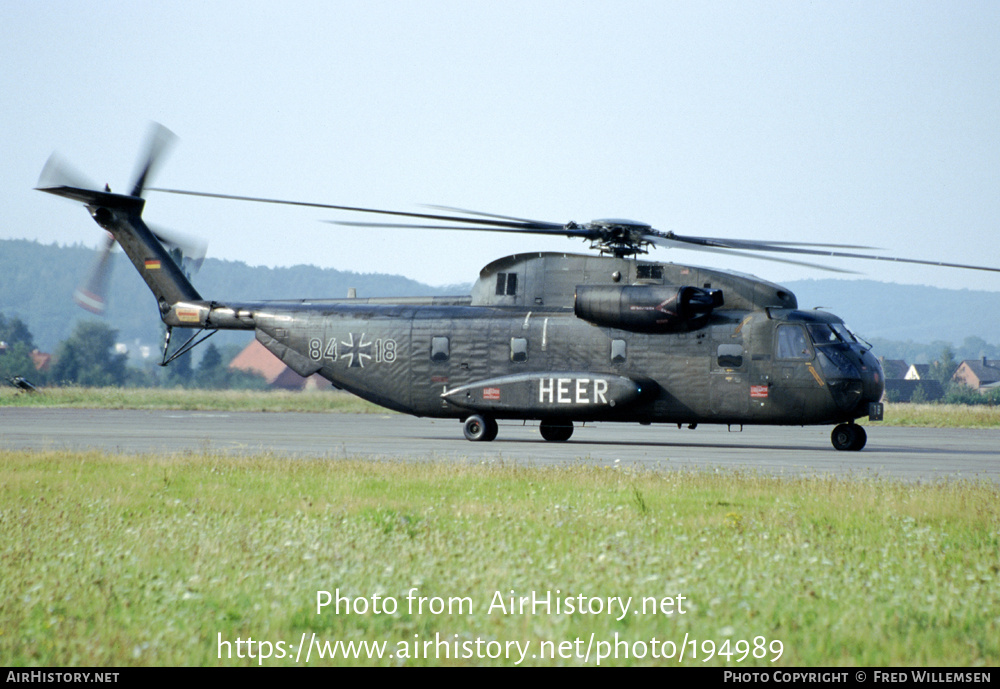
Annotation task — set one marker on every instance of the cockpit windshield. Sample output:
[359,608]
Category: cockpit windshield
[792,341]
[822,334]
[845,333]
[829,333]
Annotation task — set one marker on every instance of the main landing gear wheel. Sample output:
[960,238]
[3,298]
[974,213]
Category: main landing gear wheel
[556,431]
[849,436]
[480,428]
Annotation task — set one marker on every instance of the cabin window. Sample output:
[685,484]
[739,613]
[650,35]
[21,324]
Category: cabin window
[507,284]
[730,355]
[792,343]
[440,349]
[645,271]
[518,349]
[617,351]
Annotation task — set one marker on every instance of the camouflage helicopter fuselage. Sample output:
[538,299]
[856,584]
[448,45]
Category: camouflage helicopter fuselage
[554,337]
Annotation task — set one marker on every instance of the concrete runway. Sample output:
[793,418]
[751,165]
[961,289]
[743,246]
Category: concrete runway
[910,454]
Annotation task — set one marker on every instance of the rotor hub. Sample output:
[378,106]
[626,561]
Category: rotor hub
[620,237]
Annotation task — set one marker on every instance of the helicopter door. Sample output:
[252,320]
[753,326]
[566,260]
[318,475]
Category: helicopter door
[729,379]
[794,373]
[513,342]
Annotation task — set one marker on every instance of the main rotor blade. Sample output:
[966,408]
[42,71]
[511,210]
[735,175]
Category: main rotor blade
[561,231]
[452,209]
[763,246]
[667,242]
[770,243]
[595,231]
[426,216]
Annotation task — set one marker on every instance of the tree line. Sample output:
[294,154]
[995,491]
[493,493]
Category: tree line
[88,358]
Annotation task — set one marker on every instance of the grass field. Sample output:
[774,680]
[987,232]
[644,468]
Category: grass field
[134,560]
[190,400]
[940,416]
[896,414]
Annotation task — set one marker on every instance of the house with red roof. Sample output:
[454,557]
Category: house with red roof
[257,359]
[978,373]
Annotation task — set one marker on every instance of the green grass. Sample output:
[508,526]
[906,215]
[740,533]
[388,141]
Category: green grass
[141,560]
[941,415]
[189,400]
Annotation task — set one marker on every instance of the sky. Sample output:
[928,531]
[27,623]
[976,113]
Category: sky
[874,123]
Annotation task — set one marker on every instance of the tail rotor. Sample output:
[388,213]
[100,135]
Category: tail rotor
[60,178]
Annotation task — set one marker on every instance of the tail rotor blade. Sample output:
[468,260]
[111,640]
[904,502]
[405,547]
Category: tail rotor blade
[58,173]
[92,293]
[186,249]
[160,139]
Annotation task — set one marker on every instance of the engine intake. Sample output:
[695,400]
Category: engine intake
[646,308]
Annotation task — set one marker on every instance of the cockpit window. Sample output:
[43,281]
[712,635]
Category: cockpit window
[830,333]
[822,334]
[845,333]
[792,343]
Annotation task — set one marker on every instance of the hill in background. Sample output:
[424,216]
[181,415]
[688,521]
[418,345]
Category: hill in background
[896,312]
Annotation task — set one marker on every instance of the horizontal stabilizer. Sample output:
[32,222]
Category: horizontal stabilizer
[92,198]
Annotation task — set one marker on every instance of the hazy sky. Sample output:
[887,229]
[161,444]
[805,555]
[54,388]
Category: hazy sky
[870,123]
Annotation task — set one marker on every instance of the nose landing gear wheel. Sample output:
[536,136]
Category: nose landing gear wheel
[849,436]
[480,429]
[556,431]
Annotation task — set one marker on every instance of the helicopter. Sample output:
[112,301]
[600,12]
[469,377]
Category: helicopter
[557,338]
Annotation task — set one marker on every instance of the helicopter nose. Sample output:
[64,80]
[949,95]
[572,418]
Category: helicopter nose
[872,377]
[855,379]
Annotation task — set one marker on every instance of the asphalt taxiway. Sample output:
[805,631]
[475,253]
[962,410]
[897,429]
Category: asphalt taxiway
[911,454]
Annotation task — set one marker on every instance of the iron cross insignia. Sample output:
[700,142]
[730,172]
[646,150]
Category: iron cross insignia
[354,350]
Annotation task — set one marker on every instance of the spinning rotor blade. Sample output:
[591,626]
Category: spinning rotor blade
[58,173]
[59,178]
[540,222]
[747,245]
[527,226]
[562,231]
[160,139]
[832,246]
[92,293]
[619,237]
[192,249]
[668,243]
[452,209]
